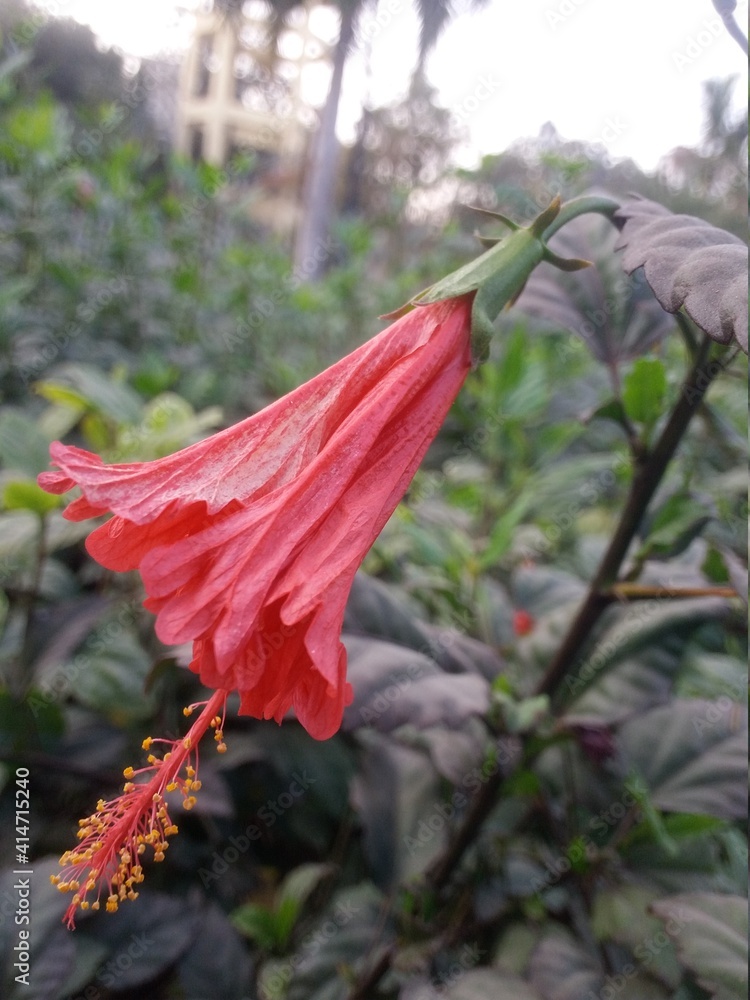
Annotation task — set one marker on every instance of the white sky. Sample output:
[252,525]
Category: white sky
[625,72]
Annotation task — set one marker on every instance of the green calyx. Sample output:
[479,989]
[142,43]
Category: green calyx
[498,276]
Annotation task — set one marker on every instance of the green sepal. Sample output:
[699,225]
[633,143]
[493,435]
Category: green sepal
[498,275]
[513,226]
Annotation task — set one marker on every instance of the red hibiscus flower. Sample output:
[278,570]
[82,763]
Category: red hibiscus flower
[248,542]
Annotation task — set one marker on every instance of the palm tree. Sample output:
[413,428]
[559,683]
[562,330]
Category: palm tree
[318,196]
[320,180]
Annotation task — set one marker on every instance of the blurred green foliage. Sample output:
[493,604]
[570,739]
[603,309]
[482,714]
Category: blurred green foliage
[140,308]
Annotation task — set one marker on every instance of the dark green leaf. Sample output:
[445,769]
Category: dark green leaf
[401,806]
[146,937]
[675,524]
[217,963]
[341,942]
[635,661]
[692,755]
[710,933]
[258,924]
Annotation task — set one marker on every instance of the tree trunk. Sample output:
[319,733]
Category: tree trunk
[310,251]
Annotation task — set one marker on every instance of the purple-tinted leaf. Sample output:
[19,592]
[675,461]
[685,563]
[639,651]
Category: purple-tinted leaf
[562,969]
[375,610]
[394,686]
[692,754]
[710,933]
[616,317]
[217,962]
[690,265]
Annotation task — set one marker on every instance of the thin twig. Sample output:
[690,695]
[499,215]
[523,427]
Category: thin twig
[645,482]
[643,592]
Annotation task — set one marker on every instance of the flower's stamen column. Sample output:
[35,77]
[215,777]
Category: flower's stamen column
[115,837]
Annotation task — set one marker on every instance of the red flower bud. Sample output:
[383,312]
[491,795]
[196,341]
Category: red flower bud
[523,622]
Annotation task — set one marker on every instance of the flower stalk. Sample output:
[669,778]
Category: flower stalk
[115,838]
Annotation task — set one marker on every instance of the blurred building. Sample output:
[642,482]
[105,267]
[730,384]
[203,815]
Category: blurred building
[241,91]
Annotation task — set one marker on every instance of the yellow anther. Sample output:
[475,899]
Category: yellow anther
[159,856]
[128,772]
[187,742]
[187,710]
[147,743]
[95,905]
[221,748]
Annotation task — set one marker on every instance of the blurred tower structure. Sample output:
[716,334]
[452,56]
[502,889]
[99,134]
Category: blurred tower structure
[237,93]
